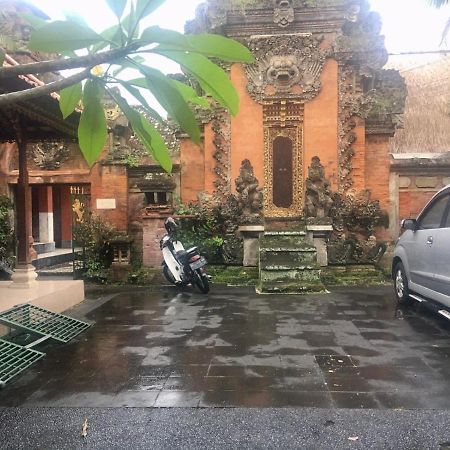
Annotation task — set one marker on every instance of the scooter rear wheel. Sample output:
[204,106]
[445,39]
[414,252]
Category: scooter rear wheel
[167,274]
[201,281]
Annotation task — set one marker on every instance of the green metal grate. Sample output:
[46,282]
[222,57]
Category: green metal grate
[41,321]
[14,359]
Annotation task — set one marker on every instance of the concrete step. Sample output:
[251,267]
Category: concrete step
[59,270]
[59,256]
[44,247]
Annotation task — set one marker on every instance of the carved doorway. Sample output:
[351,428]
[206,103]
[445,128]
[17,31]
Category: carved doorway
[283,160]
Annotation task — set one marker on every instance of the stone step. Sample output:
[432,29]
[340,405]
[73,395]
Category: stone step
[285,242]
[284,233]
[289,258]
[289,275]
[283,287]
[272,267]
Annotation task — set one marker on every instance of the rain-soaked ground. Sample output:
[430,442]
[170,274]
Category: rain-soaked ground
[351,348]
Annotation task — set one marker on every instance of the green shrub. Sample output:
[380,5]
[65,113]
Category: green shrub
[7,238]
[204,230]
[94,235]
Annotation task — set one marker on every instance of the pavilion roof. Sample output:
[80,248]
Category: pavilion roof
[427,110]
[43,120]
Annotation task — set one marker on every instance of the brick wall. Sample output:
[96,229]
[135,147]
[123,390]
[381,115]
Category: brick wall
[111,182]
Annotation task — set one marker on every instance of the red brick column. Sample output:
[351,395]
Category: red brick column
[153,231]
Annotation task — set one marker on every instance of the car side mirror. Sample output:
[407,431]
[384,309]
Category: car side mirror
[409,224]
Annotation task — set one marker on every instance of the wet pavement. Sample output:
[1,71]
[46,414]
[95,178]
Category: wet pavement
[350,348]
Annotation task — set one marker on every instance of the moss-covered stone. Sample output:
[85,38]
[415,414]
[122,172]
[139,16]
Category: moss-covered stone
[233,275]
[355,275]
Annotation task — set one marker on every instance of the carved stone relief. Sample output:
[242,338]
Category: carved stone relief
[14,30]
[318,196]
[353,103]
[49,155]
[221,126]
[250,196]
[283,14]
[286,67]
[355,217]
[361,42]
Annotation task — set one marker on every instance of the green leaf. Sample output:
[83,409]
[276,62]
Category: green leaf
[216,46]
[128,63]
[92,92]
[59,36]
[117,7]
[212,78]
[69,99]
[112,35]
[190,96]
[147,134]
[75,17]
[146,7]
[141,99]
[35,21]
[211,45]
[158,146]
[92,131]
[166,93]
[130,24]
[2,56]
[160,35]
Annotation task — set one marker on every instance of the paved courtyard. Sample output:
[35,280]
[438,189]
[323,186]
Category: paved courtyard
[351,348]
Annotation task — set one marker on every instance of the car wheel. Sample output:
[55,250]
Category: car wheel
[401,284]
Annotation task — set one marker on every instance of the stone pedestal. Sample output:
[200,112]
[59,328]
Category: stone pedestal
[251,234]
[319,235]
[24,277]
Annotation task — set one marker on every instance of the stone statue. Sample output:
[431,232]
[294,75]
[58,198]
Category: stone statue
[318,199]
[250,197]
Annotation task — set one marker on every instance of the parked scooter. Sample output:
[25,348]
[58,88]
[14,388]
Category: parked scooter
[180,266]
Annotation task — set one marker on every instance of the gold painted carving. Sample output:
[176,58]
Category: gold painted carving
[283,119]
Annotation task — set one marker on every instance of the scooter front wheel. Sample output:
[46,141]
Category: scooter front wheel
[201,281]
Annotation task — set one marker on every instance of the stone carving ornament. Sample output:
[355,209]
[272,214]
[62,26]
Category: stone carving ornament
[283,14]
[286,67]
[49,155]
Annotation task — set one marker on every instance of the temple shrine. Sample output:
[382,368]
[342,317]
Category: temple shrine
[306,170]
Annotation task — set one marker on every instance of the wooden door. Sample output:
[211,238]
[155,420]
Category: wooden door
[282,172]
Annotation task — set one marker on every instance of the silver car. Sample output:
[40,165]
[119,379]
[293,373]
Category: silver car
[421,263]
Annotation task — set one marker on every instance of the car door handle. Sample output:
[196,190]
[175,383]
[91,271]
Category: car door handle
[430,240]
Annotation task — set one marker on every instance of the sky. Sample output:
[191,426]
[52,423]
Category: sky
[409,25]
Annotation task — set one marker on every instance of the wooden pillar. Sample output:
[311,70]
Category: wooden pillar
[25,274]
[23,204]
